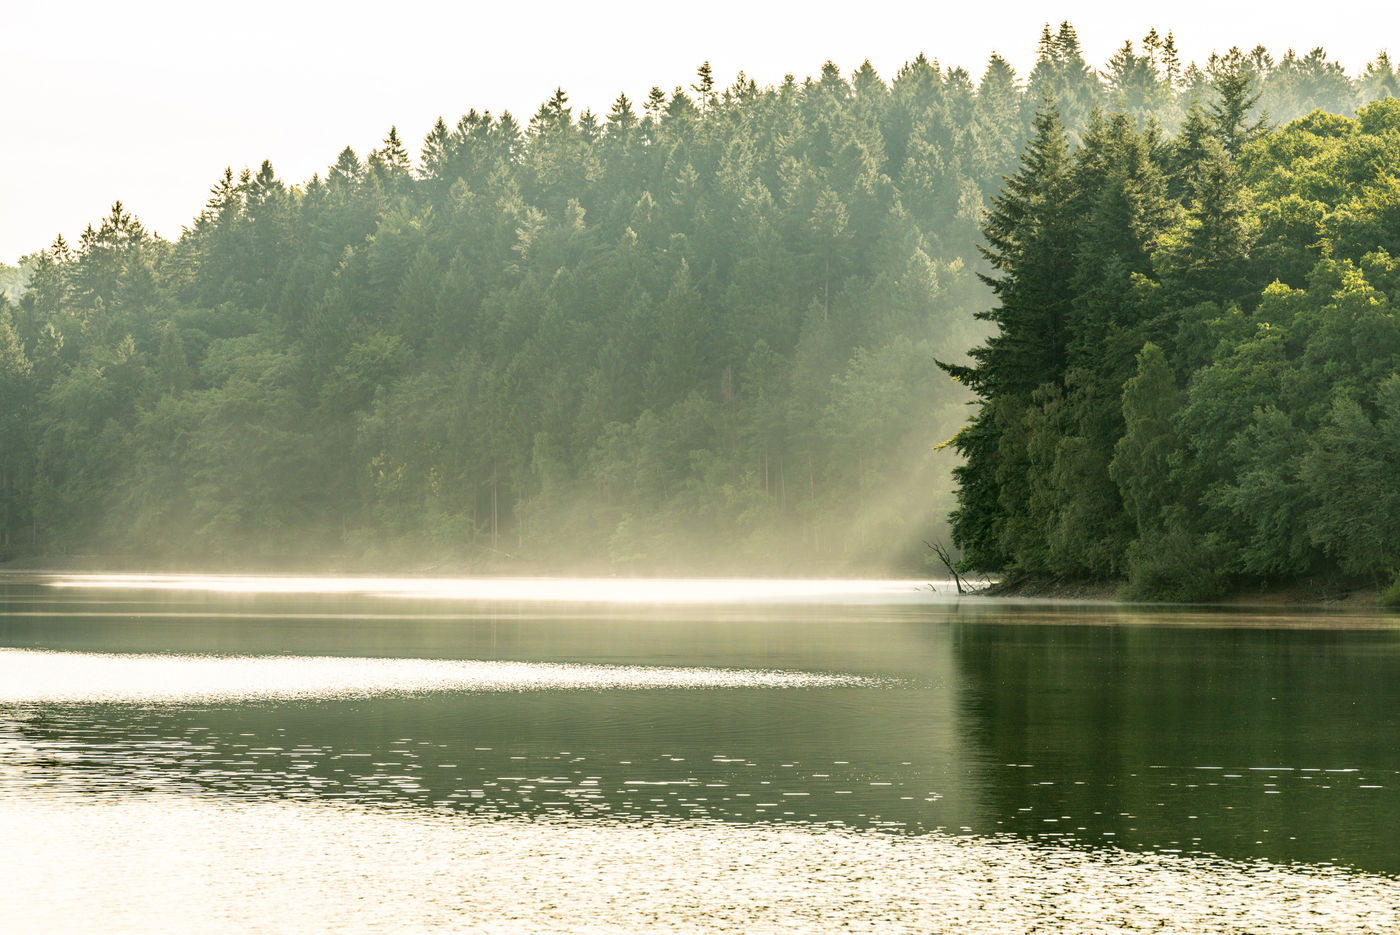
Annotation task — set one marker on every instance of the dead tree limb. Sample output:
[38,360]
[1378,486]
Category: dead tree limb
[947,560]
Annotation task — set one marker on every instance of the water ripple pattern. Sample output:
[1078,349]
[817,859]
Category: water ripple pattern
[221,866]
[41,677]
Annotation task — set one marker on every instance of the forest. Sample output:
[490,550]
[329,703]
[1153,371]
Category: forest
[1194,380]
[714,330]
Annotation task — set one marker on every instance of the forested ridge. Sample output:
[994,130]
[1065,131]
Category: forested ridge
[702,330]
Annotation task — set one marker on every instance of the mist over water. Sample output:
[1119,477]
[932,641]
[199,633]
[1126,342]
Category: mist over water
[398,755]
[659,591]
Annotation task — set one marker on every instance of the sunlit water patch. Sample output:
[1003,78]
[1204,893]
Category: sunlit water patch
[176,863]
[537,590]
[38,677]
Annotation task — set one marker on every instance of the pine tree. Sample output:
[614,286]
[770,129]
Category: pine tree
[867,83]
[1171,64]
[172,365]
[1060,71]
[1206,258]
[1234,81]
[1187,151]
[704,87]
[437,152]
[392,154]
[621,119]
[1379,80]
[1030,245]
[347,170]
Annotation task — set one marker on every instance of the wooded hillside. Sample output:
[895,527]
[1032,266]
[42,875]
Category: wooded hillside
[702,328]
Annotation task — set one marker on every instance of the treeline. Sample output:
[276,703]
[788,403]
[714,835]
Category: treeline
[699,328]
[1195,383]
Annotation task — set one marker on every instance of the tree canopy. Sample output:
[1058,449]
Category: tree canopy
[1209,399]
[702,328]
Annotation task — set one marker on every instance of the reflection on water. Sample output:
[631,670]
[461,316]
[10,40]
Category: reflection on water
[37,677]
[733,755]
[784,763]
[1249,742]
[224,865]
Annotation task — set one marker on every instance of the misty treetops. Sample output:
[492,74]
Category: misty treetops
[704,326]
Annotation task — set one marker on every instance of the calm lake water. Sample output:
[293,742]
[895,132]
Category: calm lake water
[261,754]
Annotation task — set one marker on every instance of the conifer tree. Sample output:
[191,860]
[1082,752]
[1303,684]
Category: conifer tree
[436,153]
[1171,64]
[1207,256]
[1030,244]
[1234,80]
[704,87]
[1379,80]
[621,119]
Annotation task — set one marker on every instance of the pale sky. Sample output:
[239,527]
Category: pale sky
[147,101]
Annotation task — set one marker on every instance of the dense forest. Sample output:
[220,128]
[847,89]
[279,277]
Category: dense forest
[703,329]
[1194,383]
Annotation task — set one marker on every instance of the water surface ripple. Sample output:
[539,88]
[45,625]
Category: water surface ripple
[391,755]
[39,677]
[236,866]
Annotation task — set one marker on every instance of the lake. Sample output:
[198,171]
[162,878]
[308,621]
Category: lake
[384,755]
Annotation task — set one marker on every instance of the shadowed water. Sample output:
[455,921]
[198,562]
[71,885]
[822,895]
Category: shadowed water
[792,755]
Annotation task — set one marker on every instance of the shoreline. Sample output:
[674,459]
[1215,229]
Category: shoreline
[1308,593]
[1298,594]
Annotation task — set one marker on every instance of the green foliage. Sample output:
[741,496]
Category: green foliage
[701,333]
[1143,457]
[1390,595]
[1172,562]
[1227,403]
[1349,470]
[703,328]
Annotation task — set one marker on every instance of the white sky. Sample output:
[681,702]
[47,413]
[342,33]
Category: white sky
[148,100]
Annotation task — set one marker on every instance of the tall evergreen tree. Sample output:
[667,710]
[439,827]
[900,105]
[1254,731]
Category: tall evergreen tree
[1234,80]
[1030,243]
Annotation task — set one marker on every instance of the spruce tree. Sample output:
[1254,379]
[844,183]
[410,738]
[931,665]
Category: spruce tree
[1234,82]
[1029,245]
